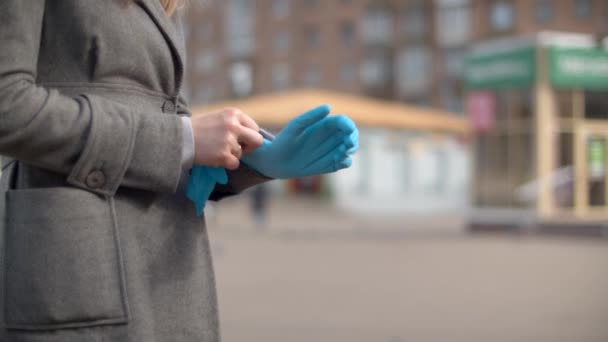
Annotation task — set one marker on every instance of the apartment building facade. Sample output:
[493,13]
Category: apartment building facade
[406,50]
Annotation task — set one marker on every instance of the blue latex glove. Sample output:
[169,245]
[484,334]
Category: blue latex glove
[201,183]
[311,144]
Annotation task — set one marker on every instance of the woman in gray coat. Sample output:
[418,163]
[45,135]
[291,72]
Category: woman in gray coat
[98,241]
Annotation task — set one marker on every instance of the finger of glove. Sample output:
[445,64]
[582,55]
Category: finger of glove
[314,151]
[200,177]
[192,189]
[347,125]
[343,163]
[197,175]
[339,127]
[333,166]
[329,126]
[327,161]
[200,185]
[203,195]
[336,165]
[218,175]
[260,158]
[302,122]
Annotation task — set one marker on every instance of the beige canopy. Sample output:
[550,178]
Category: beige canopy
[276,109]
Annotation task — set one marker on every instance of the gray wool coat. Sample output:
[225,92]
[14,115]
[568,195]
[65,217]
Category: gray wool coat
[96,241]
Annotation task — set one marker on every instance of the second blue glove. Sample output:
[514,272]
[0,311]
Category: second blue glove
[202,182]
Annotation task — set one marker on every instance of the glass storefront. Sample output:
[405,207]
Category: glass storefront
[503,153]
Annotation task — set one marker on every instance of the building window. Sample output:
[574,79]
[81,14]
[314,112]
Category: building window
[311,3]
[280,76]
[454,60]
[451,93]
[414,70]
[241,79]
[502,15]
[312,37]
[596,106]
[239,29]
[583,8]
[280,43]
[205,62]
[377,25]
[347,34]
[544,10]
[453,22]
[414,20]
[312,76]
[348,74]
[375,70]
[280,8]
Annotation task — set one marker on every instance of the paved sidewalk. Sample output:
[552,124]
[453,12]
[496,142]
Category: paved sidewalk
[315,273]
[470,288]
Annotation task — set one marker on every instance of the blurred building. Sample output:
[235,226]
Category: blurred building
[406,50]
[411,160]
[414,52]
[539,108]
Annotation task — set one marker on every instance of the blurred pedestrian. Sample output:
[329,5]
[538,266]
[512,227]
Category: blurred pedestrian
[259,204]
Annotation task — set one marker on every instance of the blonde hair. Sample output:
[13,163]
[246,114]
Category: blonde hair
[170,5]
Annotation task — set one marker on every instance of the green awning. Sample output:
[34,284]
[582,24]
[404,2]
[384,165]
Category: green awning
[579,68]
[509,69]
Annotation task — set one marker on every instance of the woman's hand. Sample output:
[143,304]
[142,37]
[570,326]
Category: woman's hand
[221,138]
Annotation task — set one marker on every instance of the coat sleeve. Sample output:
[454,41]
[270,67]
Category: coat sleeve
[97,143]
[238,181]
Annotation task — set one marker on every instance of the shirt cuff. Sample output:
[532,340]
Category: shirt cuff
[188,144]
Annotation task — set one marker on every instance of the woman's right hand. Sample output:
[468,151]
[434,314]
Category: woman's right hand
[221,138]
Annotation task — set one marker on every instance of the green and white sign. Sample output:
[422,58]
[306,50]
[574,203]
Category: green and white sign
[596,148]
[579,68]
[510,69]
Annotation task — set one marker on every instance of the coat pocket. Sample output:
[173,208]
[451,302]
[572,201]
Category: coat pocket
[63,262]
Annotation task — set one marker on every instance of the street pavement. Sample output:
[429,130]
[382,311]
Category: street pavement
[315,274]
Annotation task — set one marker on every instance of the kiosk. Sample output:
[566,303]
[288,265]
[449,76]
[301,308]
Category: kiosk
[539,109]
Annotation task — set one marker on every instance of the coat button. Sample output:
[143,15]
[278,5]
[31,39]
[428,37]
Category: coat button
[168,107]
[95,179]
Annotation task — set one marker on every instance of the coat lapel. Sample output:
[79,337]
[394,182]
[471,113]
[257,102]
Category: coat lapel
[168,29]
